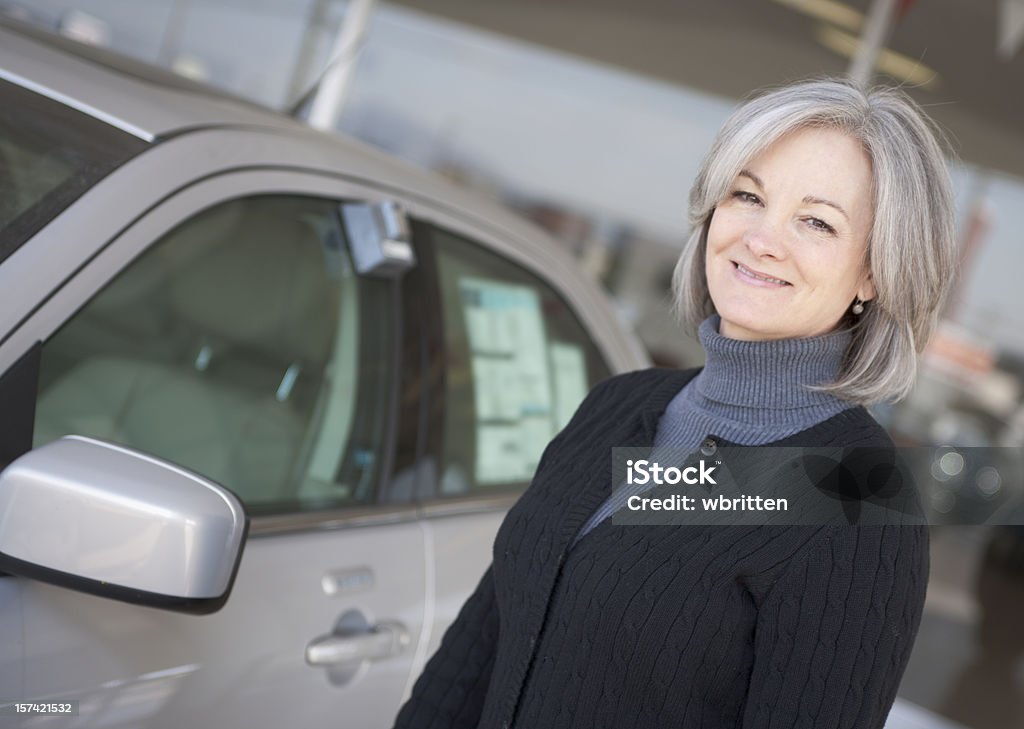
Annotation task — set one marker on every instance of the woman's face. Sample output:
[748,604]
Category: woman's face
[786,247]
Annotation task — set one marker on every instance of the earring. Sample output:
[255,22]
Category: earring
[858,307]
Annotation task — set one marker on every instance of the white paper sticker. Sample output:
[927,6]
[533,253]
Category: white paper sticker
[569,368]
[512,378]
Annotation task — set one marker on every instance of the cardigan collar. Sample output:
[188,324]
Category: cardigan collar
[658,399]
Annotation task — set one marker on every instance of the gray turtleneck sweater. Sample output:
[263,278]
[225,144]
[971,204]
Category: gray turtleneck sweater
[748,393]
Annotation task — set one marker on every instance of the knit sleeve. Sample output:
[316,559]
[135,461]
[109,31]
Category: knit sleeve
[450,692]
[834,634]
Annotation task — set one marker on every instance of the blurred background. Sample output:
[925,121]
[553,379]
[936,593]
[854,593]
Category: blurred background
[590,117]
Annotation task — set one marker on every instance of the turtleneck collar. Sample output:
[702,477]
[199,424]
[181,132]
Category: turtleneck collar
[768,374]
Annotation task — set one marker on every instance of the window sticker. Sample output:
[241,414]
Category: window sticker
[569,370]
[512,378]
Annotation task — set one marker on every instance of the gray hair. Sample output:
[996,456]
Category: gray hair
[911,250]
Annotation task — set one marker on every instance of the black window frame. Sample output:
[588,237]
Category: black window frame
[102,148]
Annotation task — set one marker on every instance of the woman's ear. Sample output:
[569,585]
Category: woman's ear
[866,292]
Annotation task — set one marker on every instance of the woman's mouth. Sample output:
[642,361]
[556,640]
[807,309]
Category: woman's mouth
[758,279]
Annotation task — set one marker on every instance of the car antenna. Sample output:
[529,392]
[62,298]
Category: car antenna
[304,98]
[350,41]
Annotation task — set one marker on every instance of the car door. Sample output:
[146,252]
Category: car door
[511,359]
[227,331]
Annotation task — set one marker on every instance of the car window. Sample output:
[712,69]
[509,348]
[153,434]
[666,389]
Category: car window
[519,362]
[49,155]
[241,346]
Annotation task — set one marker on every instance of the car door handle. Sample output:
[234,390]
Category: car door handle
[386,639]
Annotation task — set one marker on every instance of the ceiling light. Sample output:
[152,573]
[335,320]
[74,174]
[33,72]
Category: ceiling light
[830,11]
[891,63]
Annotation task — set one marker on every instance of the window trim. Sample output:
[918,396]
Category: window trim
[79,235]
[425,246]
[77,282]
[109,146]
[584,298]
[121,251]
[19,388]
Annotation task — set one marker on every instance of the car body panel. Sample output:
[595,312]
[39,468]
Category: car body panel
[456,539]
[12,638]
[413,564]
[143,101]
[131,666]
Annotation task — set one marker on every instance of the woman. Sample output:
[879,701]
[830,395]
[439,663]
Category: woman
[821,251]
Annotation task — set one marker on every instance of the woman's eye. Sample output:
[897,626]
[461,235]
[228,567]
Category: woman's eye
[819,224]
[747,197]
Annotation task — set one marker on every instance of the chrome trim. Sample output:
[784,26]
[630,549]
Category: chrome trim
[347,582]
[385,639]
[77,105]
[334,519]
[474,505]
[376,515]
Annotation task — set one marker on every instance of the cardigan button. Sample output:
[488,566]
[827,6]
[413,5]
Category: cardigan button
[708,447]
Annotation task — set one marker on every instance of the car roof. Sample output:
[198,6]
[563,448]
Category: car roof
[154,104]
[143,100]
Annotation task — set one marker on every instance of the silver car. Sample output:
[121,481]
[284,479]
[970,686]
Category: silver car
[266,397]
[197,294]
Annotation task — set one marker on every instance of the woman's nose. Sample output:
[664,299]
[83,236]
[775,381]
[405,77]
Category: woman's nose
[765,239]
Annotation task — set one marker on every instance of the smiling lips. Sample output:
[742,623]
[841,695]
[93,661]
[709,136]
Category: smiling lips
[758,278]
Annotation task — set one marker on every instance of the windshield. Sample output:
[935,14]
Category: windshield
[49,155]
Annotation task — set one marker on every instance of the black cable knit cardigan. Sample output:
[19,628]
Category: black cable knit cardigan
[674,626]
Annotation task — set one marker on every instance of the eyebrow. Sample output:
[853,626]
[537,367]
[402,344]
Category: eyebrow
[808,199]
[811,200]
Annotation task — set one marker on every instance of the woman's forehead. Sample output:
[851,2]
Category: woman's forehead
[816,163]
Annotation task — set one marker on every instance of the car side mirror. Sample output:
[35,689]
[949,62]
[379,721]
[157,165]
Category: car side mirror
[104,519]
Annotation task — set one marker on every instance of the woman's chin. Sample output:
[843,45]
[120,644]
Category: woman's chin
[747,317]
[747,329]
